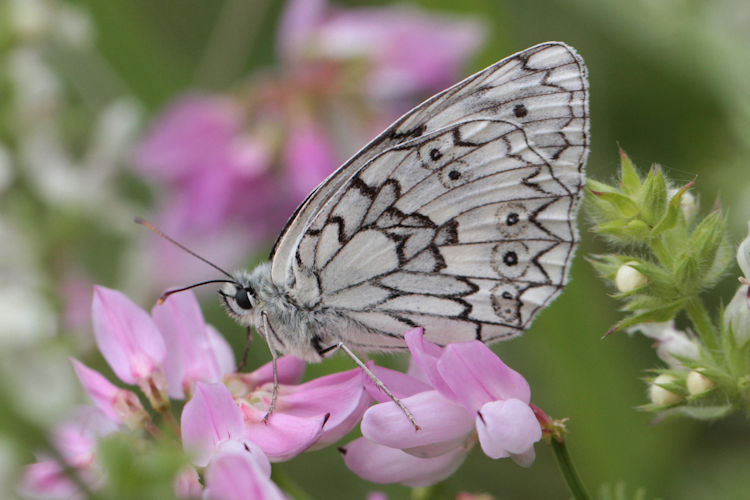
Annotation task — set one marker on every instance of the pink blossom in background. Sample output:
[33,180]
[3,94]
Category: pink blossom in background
[75,439]
[308,156]
[474,396]
[409,51]
[231,169]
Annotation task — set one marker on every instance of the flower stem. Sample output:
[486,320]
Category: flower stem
[577,490]
[701,320]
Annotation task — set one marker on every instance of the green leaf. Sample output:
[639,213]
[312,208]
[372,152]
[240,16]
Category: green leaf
[674,209]
[707,238]
[654,205]
[631,182]
[707,412]
[626,207]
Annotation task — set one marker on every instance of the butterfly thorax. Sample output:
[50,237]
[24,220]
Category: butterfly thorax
[294,329]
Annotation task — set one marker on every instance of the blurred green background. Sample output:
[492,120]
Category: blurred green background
[670,81]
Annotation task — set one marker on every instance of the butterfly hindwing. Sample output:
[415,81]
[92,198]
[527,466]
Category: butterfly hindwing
[459,218]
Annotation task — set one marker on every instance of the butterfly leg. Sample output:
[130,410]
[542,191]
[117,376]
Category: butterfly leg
[267,329]
[379,383]
[246,351]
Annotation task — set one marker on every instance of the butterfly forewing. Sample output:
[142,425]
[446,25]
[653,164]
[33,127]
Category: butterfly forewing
[458,218]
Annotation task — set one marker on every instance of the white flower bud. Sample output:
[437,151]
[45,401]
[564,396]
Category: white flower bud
[661,396]
[688,205]
[737,315]
[629,278]
[743,254]
[671,343]
[697,383]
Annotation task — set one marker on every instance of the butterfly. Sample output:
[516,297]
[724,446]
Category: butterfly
[458,218]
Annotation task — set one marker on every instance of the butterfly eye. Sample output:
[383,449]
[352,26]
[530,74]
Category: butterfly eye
[243,298]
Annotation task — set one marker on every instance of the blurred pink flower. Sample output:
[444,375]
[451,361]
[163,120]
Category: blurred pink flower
[75,439]
[408,51]
[232,169]
[187,484]
[193,132]
[308,156]
[475,397]
[217,185]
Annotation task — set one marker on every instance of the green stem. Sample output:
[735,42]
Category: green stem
[661,253]
[577,490]
[701,320]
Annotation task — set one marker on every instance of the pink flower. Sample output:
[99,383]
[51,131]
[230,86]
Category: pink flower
[119,405]
[308,156]
[193,132]
[236,473]
[212,431]
[135,345]
[187,484]
[197,352]
[75,440]
[209,418]
[128,339]
[217,184]
[475,396]
[408,51]
[313,414]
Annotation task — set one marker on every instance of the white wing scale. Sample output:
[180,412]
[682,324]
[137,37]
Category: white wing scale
[459,218]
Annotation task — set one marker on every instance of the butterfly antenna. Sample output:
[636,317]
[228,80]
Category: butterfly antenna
[147,224]
[168,293]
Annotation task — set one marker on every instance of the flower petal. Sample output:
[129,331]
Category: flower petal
[477,376]
[191,345]
[381,464]
[441,422]
[46,479]
[187,484]
[743,254]
[425,356]
[119,405]
[290,371]
[507,428]
[236,475]
[126,336]
[283,436]
[308,156]
[210,417]
[400,384]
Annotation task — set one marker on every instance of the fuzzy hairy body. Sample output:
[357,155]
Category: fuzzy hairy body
[296,330]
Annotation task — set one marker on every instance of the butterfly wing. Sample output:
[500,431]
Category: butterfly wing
[459,217]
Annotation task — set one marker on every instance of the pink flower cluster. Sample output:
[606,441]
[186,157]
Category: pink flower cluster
[232,168]
[459,395]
